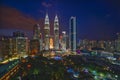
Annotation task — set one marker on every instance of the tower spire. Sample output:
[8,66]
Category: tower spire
[56,18]
[46,19]
[46,32]
[56,33]
[56,22]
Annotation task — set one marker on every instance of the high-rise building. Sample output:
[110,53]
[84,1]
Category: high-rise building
[63,41]
[118,34]
[109,46]
[20,45]
[101,44]
[36,31]
[46,33]
[1,55]
[72,34]
[18,34]
[51,43]
[6,49]
[38,36]
[56,33]
[93,43]
[118,42]
[34,46]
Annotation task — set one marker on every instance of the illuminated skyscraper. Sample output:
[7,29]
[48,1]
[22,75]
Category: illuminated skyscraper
[51,43]
[36,31]
[38,35]
[56,33]
[63,42]
[20,44]
[34,46]
[46,33]
[118,42]
[6,49]
[72,34]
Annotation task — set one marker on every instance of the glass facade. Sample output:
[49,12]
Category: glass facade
[72,34]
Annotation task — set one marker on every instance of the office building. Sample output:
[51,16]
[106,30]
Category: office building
[20,44]
[38,36]
[72,34]
[18,34]
[118,42]
[7,47]
[34,46]
[64,41]
[36,31]
[51,43]
[56,33]
[46,33]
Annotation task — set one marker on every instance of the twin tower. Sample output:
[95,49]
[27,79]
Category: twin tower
[47,33]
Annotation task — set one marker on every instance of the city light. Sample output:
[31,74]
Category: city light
[59,40]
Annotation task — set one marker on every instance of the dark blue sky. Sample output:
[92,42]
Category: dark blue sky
[96,19]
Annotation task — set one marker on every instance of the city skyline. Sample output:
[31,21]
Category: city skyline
[95,19]
[59,39]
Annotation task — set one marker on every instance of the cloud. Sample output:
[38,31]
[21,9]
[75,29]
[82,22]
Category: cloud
[47,5]
[42,12]
[12,18]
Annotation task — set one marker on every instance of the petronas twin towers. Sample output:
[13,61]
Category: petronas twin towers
[47,33]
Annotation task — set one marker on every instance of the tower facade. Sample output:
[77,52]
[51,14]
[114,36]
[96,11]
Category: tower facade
[6,47]
[72,34]
[20,44]
[56,33]
[36,31]
[64,40]
[118,34]
[118,42]
[37,36]
[46,33]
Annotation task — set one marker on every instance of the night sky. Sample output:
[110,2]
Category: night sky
[96,19]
